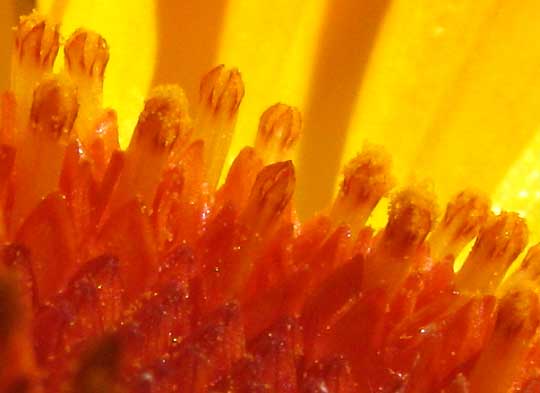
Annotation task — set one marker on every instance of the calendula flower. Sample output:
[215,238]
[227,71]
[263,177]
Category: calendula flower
[145,262]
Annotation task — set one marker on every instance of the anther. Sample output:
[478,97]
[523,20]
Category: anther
[366,180]
[464,216]
[35,49]
[86,55]
[410,218]
[279,130]
[40,154]
[497,246]
[221,93]
[164,118]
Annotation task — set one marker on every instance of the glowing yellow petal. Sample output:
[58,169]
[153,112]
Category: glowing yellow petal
[421,47]
[347,35]
[520,189]
[272,43]
[452,89]
[130,29]
[187,49]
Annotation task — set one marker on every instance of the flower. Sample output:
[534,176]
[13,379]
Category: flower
[137,270]
[442,74]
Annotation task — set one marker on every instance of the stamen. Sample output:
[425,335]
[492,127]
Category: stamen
[528,274]
[279,130]
[86,57]
[221,93]
[410,219]
[269,198]
[270,195]
[36,47]
[366,180]
[54,110]
[505,356]
[105,143]
[240,179]
[39,158]
[518,314]
[499,243]
[36,42]
[164,117]
[531,263]
[464,217]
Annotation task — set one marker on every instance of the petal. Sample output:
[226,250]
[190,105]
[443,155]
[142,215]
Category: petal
[131,34]
[520,189]
[452,89]
[272,43]
[347,35]
[189,41]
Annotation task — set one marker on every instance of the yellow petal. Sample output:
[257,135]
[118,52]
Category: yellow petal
[272,43]
[520,189]
[130,30]
[189,33]
[452,90]
[346,39]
